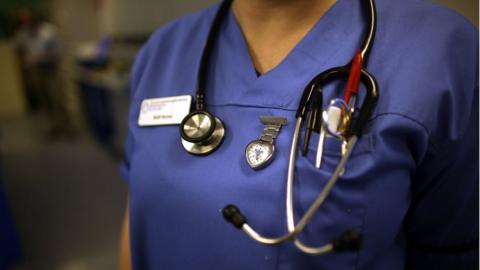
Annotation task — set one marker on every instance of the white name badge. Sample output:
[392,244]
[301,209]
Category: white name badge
[164,111]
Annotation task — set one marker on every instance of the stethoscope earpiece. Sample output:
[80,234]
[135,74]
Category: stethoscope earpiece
[201,132]
[232,214]
[348,241]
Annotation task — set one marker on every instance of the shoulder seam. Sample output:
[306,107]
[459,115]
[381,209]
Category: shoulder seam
[418,123]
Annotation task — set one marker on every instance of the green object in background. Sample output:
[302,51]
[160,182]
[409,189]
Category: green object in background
[9,5]
[3,25]
[7,14]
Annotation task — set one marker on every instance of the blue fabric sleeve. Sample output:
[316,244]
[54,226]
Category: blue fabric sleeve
[10,252]
[442,221]
[135,76]
[442,225]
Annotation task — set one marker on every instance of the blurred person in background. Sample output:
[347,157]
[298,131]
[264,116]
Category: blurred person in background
[40,52]
[22,37]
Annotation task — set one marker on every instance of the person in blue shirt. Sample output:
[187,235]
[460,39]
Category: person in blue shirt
[410,186]
[10,250]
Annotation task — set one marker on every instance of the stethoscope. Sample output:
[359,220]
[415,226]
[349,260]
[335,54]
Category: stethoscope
[202,133]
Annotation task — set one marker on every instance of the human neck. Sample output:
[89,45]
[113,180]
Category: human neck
[272,28]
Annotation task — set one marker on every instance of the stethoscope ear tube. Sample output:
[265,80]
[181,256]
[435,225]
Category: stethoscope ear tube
[314,116]
[232,214]
[204,61]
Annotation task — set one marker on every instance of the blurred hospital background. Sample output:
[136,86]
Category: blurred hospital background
[64,71]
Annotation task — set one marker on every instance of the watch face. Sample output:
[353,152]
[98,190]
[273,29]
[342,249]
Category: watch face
[259,154]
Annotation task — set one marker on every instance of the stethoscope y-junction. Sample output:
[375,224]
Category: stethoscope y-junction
[202,132]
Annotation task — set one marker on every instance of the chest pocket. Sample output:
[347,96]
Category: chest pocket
[344,208]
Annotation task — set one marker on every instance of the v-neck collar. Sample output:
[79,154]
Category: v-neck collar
[281,87]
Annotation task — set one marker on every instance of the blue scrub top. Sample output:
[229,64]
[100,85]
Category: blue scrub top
[9,243]
[410,187]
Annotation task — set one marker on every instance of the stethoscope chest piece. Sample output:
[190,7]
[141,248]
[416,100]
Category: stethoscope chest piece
[201,133]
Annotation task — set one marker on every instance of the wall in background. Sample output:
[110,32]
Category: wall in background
[77,20]
[469,8]
[11,94]
[127,17]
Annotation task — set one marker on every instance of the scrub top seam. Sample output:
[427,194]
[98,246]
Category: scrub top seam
[440,6]
[325,58]
[417,122]
[251,106]
[140,100]
[362,229]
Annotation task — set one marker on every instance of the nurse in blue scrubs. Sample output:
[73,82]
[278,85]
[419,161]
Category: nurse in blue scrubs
[410,186]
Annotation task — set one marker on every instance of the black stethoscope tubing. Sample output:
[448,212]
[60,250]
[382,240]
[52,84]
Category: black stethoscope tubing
[207,51]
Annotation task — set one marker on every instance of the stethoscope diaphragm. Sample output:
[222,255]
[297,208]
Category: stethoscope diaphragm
[201,133]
